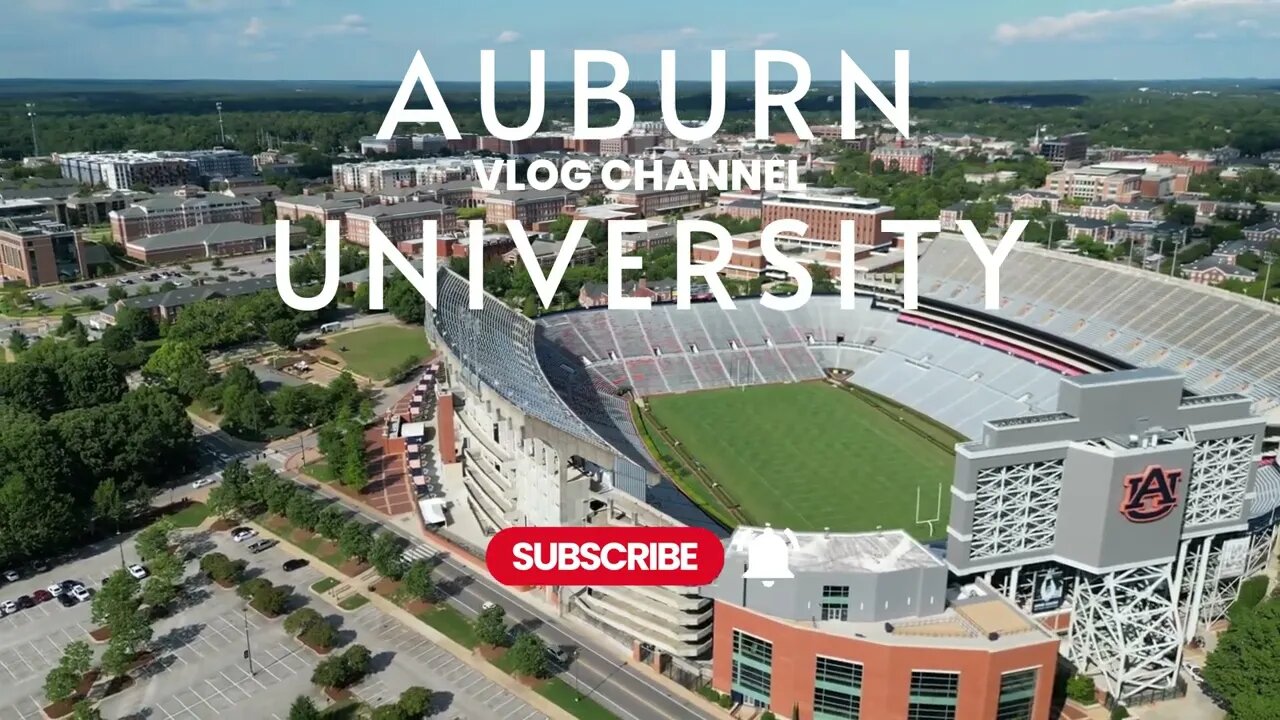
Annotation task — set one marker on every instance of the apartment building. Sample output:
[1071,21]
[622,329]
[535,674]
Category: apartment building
[40,252]
[126,170]
[166,213]
[380,175]
[530,207]
[1136,211]
[629,144]
[824,211]
[216,163]
[1095,184]
[401,222]
[1034,199]
[323,207]
[913,160]
[650,201]
[539,143]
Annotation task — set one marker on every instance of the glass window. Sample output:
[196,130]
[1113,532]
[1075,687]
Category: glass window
[835,591]
[752,667]
[1017,695]
[835,611]
[837,690]
[933,695]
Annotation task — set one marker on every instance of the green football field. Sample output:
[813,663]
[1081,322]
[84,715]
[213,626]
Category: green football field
[809,456]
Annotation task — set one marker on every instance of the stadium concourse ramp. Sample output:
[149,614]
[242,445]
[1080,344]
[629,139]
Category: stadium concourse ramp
[945,376]
[1221,341]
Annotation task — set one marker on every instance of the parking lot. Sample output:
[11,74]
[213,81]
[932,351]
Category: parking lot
[200,671]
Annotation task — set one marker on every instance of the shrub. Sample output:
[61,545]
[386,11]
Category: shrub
[1119,713]
[321,635]
[299,621]
[415,702]
[726,702]
[1252,592]
[250,588]
[269,599]
[221,568]
[1082,689]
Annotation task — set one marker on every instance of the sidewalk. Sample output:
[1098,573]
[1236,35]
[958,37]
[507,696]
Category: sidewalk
[484,667]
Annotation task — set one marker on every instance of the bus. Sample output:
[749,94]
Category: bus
[329,327]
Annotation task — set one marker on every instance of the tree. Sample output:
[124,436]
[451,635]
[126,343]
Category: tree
[108,504]
[418,582]
[822,282]
[491,626]
[269,599]
[1245,667]
[154,540]
[60,684]
[303,510]
[300,620]
[17,342]
[221,569]
[1181,214]
[356,540]
[1082,689]
[388,712]
[117,597]
[321,635]
[1118,217]
[116,293]
[233,497]
[67,323]
[415,702]
[528,656]
[84,710]
[180,366]
[386,554]
[138,324]
[304,709]
[283,332]
[130,632]
[331,522]
[162,587]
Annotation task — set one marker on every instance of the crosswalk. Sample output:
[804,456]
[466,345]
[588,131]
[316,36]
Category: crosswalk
[418,552]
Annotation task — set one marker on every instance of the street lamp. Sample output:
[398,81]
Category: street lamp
[248,648]
[31,114]
[222,132]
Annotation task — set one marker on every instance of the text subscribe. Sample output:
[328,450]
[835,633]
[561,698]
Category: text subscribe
[605,556]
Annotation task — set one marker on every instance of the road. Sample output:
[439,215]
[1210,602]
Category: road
[620,688]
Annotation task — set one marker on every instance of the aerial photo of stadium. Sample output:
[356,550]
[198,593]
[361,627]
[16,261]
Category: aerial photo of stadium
[978,456]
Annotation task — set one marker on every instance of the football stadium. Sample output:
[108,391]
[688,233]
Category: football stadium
[1085,470]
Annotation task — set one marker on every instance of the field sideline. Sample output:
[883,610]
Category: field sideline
[809,456]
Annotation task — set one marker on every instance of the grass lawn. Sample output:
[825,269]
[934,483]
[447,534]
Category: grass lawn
[809,456]
[190,516]
[319,470]
[451,624]
[204,412]
[374,351]
[324,585]
[560,693]
[353,602]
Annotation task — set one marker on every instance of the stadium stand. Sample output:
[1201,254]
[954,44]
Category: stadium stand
[1216,338]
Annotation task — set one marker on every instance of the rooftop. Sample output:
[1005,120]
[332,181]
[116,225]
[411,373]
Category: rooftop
[404,209]
[211,234]
[872,552]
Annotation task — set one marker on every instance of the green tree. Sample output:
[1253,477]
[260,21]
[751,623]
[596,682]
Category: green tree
[528,656]
[116,293]
[117,597]
[60,684]
[130,632]
[356,540]
[17,342]
[386,555]
[303,511]
[331,522]
[154,540]
[283,332]
[1245,666]
[491,626]
[84,710]
[301,619]
[388,712]
[67,324]
[418,582]
[304,709]
[234,497]
[822,282]
[415,702]
[161,588]
[180,366]
[1082,689]
[108,504]
[1181,214]
[320,635]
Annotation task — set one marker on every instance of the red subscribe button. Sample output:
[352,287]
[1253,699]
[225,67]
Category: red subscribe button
[604,556]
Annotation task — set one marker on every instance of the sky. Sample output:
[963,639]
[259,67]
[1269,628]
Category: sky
[376,39]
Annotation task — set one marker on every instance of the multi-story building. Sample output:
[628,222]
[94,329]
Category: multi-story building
[824,211]
[1136,211]
[539,143]
[400,222]
[869,627]
[951,215]
[166,213]
[1034,199]
[1066,148]
[323,206]
[217,163]
[1215,270]
[1267,232]
[40,252]
[742,204]
[530,207]
[913,160]
[379,175]
[1095,184]
[202,242]
[650,201]
[629,144]
[370,145]
[125,170]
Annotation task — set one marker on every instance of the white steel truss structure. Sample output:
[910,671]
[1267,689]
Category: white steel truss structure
[1015,508]
[1220,592]
[1219,476]
[1124,625]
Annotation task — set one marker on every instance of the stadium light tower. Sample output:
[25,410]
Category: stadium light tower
[35,144]
[222,131]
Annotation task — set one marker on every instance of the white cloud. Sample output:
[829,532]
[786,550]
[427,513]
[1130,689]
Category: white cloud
[352,24]
[762,39]
[508,36]
[1206,35]
[254,29]
[1087,24]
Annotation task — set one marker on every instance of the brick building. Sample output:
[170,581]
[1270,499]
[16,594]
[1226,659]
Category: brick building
[399,222]
[166,213]
[913,160]
[629,144]
[824,211]
[40,252]
[530,207]
[869,628]
[1136,211]
[206,241]
[529,146]
[323,206]
[1095,184]
[1215,270]
[650,201]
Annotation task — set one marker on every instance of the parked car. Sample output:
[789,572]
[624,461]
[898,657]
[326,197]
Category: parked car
[203,482]
[11,576]
[67,585]
[9,607]
[80,592]
[55,590]
[25,602]
[41,596]
[40,566]
[261,545]
[488,605]
[558,655]
[243,533]
[138,571]
[294,564]
[67,600]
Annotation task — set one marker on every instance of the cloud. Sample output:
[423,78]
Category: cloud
[508,36]
[762,39]
[691,38]
[352,24]
[1206,35]
[254,29]
[1091,24]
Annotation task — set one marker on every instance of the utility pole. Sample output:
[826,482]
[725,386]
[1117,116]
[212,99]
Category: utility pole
[35,144]
[248,649]
[1266,283]
[221,130]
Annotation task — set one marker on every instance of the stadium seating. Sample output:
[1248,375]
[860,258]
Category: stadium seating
[1222,341]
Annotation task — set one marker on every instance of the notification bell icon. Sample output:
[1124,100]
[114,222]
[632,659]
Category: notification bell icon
[768,558]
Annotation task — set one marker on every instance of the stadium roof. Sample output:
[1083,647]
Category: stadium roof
[870,552]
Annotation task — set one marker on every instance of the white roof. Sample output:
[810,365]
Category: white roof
[413,430]
[433,510]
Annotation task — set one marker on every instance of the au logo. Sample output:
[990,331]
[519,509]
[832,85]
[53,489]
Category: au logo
[1151,494]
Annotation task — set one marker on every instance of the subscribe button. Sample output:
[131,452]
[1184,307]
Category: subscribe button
[604,556]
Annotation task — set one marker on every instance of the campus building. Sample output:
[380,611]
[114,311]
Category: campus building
[824,211]
[400,222]
[40,252]
[166,213]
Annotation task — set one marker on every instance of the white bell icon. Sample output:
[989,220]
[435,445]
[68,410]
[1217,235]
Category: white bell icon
[767,558]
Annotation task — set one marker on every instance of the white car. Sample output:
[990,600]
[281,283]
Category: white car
[242,534]
[487,606]
[54,589]
[9,607]
[204,482]
[138,571]
[1193,670]
[11,576]
[80,593]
